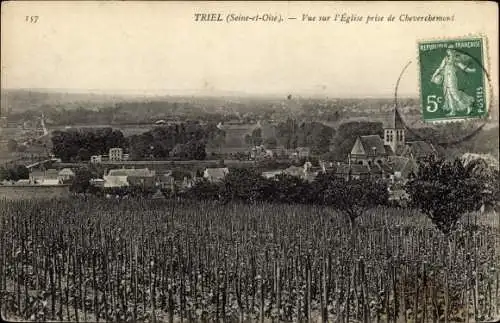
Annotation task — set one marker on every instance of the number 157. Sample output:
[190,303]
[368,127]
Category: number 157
[31,19]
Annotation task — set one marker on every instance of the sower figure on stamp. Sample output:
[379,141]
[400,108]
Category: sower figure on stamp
[455,100]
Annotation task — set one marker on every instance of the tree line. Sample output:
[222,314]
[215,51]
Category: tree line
[14,173]
[182,141]
[442,189]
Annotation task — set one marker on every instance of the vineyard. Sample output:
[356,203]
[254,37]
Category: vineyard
[172,261]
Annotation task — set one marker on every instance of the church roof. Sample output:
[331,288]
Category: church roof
[373,141]
[395,121]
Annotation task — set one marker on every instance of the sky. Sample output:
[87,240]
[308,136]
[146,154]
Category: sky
[159,48]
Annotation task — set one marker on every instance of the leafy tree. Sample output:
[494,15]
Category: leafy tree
[445,190]
[204,190]
[243,184]
[4,174]
[81,181]
[22,172]
[353,197]
[290,189]
[73,144]
[14,173]
[316,135]
[83,154]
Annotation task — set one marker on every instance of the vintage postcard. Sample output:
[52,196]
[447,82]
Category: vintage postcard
[249,161]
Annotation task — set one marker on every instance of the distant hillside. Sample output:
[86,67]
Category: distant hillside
[23,100]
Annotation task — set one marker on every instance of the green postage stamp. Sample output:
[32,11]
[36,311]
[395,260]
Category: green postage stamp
[453,81]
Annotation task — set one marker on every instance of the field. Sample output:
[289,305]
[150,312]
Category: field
[134,260]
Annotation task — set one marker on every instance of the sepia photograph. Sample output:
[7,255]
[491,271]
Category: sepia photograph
[261,161]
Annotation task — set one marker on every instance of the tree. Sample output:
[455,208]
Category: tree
[81,181]
[445,190]
[22,172]
[243,184]
[73,144]
[83,154]
[193,150]
[290,189]
[4,174]
[14,173]
[203,190]
[353,197]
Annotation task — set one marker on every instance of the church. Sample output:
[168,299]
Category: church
[371,150]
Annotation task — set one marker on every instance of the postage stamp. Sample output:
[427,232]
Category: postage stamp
[453,81]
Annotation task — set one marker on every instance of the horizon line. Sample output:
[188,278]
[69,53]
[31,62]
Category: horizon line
[201,93]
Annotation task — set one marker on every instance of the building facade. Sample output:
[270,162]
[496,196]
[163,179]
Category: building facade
[116,154]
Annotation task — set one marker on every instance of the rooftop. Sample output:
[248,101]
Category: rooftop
[372,142]
[216,173]
[139,172]
[395,121]
[421,149]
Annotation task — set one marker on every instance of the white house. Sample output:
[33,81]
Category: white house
[116,154]
[215,174]
[95,159]
[45,177]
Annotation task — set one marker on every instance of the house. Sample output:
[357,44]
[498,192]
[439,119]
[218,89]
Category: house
[165,180]
[303,152]
[130,177]
[368,149]
[271,174]
[260,152]
[294,171]
[402,167]
[418,150]
[97,182]
[44,177]
[96,159]
[326,166]
[215,174]
[188,182]
[115,154]
[376,170]
[141,177]
[65,174]
[115,181]
[352,171]
[305,172]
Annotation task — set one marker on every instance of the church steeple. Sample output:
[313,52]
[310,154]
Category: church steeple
[394,132]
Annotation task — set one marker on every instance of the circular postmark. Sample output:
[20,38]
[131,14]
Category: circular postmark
[449,99]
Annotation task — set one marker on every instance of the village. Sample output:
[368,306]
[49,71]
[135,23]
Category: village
[390,158]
